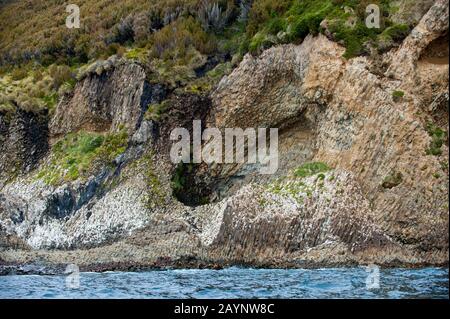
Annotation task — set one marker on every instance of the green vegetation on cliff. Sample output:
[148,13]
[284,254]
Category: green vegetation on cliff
[155,194]
[397,95]
[343,20]
[33,87]
[297,187]
[310,169]
[438,137]
[78,154]
[392,180]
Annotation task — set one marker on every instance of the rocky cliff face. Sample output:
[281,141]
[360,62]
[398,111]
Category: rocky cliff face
[382,198]
[101,101]
[359,126]
[23,142]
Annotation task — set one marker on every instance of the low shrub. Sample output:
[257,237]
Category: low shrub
[396,32]
[310,169]
[156,110]
[174,40]
[18,74]
[213,16]
[438,137]
[392,180]
[60,74]
[397,95]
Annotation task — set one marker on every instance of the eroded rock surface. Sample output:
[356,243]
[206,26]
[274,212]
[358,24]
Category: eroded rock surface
[110,98]
[23,142]
[384,200]
[358,124]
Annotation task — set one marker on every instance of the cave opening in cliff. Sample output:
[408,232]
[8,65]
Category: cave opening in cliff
[189,187]
[196,184]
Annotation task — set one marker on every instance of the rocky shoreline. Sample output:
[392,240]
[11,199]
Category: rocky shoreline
[60,269]
[362,178]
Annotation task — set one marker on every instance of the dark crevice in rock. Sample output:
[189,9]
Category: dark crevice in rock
[199,184]
[211,63]
[152,93]
[437,52]
[187,188]
[183,109]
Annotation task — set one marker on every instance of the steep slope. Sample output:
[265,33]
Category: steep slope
[371,124]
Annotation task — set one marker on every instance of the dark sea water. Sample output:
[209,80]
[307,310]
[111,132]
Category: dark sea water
[233,283]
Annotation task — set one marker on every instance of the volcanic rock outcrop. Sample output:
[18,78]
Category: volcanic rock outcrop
[111,94]
[383,197]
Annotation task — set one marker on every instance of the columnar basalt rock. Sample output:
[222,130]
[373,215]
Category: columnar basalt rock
[107,100]
[384,199]
[23,142]
[361,128]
